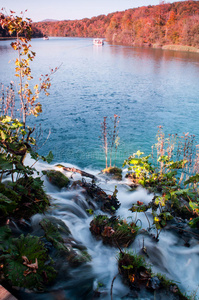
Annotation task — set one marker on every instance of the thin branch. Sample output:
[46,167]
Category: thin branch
[112,285]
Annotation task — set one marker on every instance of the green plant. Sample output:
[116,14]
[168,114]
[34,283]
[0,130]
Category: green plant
[26,262]
[16,139]
[175,157]
[15,143]
[141,169]
[133,267]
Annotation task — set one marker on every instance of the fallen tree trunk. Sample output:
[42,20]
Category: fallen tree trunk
[74,170]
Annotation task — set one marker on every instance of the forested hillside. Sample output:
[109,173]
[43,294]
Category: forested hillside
[94,27]
[168,23]
[176,23]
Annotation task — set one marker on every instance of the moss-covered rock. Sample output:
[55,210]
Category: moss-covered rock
[113,231]
[57,178]
[57,233]
[138,275]
[114,172]
[107,203]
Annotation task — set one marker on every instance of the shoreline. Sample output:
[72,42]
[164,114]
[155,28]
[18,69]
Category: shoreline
[3,38]
[180,48]
[155,46]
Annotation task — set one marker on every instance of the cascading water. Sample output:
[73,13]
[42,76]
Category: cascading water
[168,256]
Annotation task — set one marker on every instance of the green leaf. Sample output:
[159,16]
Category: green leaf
[3,135]
[34,155]
[192,179]
[194,223]
[180,192]
[5,164]
[127,267]
[139,208]
[139,153]
[194,206]
[49,157]
[134,161]
[6,119]
[178,164]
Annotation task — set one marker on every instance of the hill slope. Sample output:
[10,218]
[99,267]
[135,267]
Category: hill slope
[165,24]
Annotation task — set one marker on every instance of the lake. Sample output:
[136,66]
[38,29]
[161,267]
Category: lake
[145,87]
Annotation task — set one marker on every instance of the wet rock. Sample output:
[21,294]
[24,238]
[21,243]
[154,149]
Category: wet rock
[153,283]
[113,172]
[113,231]
[186,235]
[140,278]
[59,235]
[105,202]
[57,178]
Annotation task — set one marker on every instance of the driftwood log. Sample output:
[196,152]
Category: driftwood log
[74,170]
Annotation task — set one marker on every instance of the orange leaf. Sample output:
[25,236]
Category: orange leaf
[139,203]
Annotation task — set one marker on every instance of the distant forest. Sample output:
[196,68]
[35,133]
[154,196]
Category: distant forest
[168,23]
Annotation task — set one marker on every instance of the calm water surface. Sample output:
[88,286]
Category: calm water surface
[145,87]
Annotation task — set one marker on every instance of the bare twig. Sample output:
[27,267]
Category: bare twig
[112,285]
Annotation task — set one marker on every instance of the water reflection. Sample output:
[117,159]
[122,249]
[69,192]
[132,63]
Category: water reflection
[156,54]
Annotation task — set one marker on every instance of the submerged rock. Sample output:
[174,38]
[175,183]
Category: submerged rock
[57,178]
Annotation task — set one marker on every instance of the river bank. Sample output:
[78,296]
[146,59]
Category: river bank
[179,48]
[156,46]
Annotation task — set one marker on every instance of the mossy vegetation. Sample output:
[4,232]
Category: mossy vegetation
[107,203]
[57,178]
[114,231]
[23,198]
[59,235]
[138,275]
[114,172]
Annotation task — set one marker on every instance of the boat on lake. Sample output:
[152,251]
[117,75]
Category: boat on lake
[98,42]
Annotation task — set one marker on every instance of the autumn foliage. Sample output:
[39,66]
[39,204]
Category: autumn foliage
[167,23]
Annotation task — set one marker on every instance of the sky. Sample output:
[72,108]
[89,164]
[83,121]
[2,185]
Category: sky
[39,10]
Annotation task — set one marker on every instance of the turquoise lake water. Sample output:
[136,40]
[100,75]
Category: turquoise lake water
[145,87]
